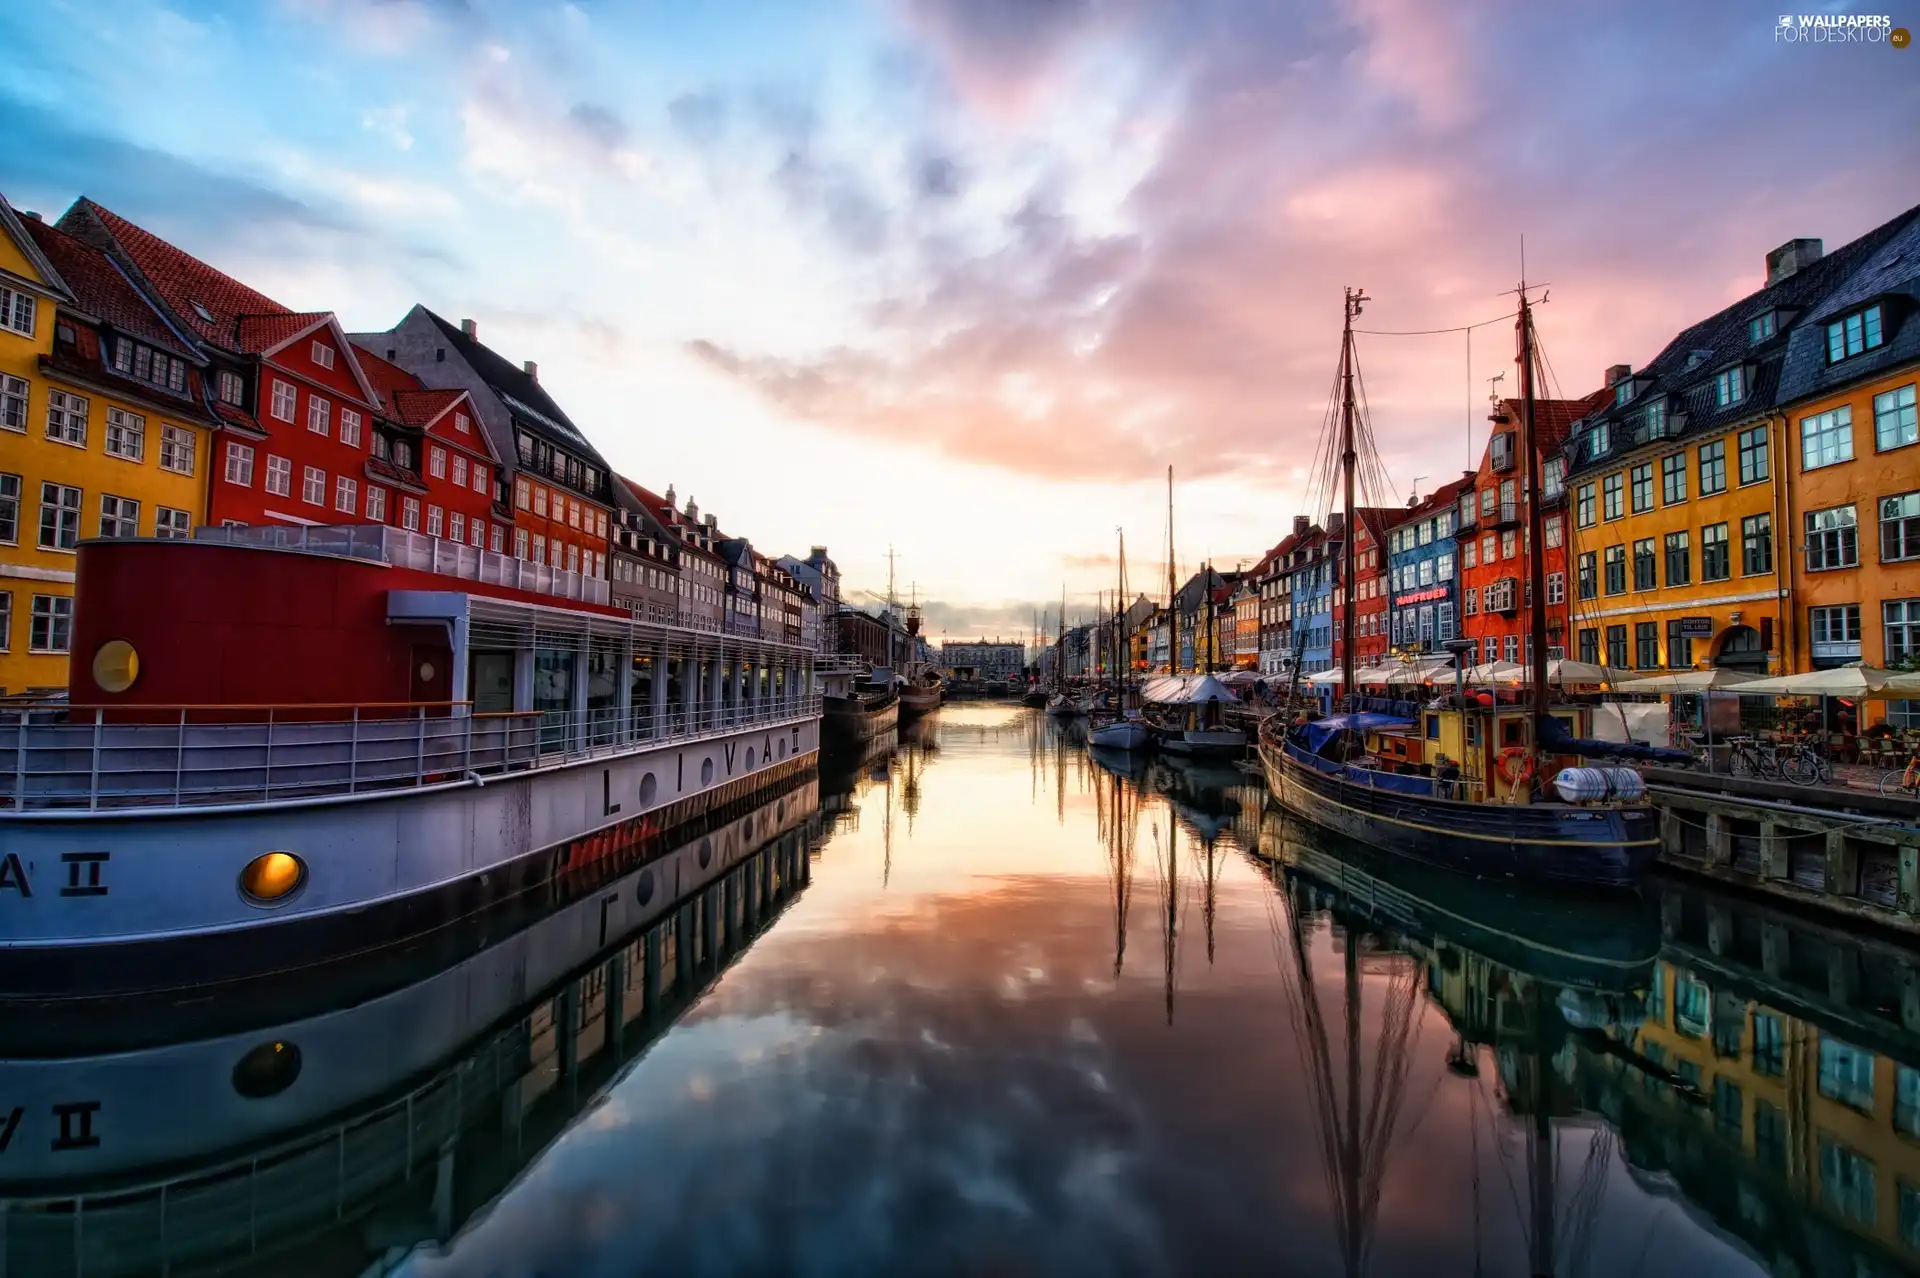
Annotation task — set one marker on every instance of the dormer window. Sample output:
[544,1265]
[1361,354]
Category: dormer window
[1653,420]
[1858,332]
[323,354]
[1623,392]
[1696,358]
[1600,438]
[1730,386]
[1762,327]
[232,390]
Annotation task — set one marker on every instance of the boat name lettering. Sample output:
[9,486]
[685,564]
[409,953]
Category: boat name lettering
[13,875]
[728,750]
[72,1115]
[12,1126]
[607,805]
[91,863]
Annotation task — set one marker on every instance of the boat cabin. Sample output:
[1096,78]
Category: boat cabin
[1464,746]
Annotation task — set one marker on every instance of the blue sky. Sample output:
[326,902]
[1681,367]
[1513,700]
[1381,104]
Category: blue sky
[964,276]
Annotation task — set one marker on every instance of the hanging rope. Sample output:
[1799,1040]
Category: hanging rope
[1430,332]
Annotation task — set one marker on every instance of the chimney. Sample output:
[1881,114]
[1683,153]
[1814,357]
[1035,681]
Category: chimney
[1618,373]
[693,511]
[1301,523]
[669,496]
[713,523]
[28,215]
[470,330]
[532,370]
[1794,255]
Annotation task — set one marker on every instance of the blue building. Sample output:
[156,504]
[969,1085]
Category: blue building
[1423,571]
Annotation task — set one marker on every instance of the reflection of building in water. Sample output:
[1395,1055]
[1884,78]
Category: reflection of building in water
[1801,1134]
[338,1142]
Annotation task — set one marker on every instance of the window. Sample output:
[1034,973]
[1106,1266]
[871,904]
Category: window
[479,478]
[456,526]
[279,476]
[1589,576]
[1583,506]
[1509,544]
[1489,548]
[1556,587]
[59,517]
[231,389]
[1679,647]
[14,395]
[323,354]
[1679,559]
[313,486]
[478,537]
[1643,488]
[462,423]
[376,504]
[1426,573]
[239,464]
[1756,544]
[52,625]
[349,427]
[1900,527]
[168,522]
[1590,646]
[459,471]
[1616,570]
[1730,387]
[67,418]
[573,565]
[522,494]
[1761,327]
[319,415]
[1511,643]
[1613,488]
[1895,423]
[410,514]
[1901,617]
[539,548]
[519,543]
[437,462]
[119,516]
[1470,552]
[1617,647]
[1469,603]
[1646,645]
[1443,567]
[435,516]
[540,502]
[1555,526]
[1713,468]
[282,400]
[345,494]
[176,449]
[1856,333]
[573,513]
[1846,1074]
[1716,556]
[1643,565]
[1832,540]
[496,538]
[1826,438]
[10,509]
[403,454]
[16,310]
[126,435]
[1443,621]
[1835,630]
[1600,438]
[1673,479]
[1553,479]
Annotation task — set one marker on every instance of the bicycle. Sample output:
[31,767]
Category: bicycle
[1747,758]
[1805,765]
[1906,782]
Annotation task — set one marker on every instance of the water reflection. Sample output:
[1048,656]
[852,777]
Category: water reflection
[942,1053]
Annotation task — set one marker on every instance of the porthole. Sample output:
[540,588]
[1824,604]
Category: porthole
[706,853]
[115,666]
[749,758]
[781,746]
[706,772]
[426,672]
[272,878]
[643,890]
[266,1070]
[648,789]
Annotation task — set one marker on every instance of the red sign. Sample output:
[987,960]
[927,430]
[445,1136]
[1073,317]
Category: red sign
[1421,596]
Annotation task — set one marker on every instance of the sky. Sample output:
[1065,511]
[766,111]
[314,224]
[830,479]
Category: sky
[963,278]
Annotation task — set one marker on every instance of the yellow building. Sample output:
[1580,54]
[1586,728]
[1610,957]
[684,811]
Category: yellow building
[103,432]
[1685,523]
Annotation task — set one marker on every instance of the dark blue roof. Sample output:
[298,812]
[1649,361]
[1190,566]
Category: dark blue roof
[1892,277]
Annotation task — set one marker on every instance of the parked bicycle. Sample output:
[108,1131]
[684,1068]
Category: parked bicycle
[1746,757]
[1805,765]
[1905,782]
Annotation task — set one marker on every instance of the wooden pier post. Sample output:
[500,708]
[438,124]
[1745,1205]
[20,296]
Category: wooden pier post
[1776,855]
[1719,930]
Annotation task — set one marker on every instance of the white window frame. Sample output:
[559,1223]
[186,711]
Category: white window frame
[18,311]
[437,461]
[239,464]
[479,473]
[376,503]
[279,478]
[313,486]
[10,489]
[16,400]
[1899,407]
[459,471]
[177,449]
[346,494]
[170,521]
[410,513]
[349,426]
[285,400]
[319,414]
[119,516]
[456,526]
[67,418]
[519,543]
[497,538]
[1830,441]
[126,435]
[233,389]
[322,354]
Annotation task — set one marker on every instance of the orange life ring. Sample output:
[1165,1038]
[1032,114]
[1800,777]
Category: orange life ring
[1503,765]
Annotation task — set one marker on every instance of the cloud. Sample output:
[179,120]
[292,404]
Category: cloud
[389,123]
[699,117]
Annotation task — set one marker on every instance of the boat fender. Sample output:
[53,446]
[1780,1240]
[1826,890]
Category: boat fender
[479,782]
[1596,785]
[1510,756]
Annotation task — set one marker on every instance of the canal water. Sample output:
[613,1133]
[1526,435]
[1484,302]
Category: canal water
[981,1003]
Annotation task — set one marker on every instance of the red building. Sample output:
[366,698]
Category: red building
[1370,588]
[1495,594]
[430,447]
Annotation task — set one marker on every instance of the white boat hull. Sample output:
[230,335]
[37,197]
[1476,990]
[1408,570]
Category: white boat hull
[1218,742]
[1125,735]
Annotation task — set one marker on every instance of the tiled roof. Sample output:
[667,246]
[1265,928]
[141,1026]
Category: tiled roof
[1687,366]
[386,379]
[419,407]
[183,282]
[519,390]
[82,359]
[1892,269]
[253,334]
[233,415]
[102,291]
[382,469]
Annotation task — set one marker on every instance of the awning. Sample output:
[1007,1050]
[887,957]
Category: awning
[1843,681]
[1320,730]
[1687,681]
[1186,690]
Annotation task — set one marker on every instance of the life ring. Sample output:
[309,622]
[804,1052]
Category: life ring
[1503,765]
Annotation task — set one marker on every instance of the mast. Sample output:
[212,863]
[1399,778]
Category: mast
[1206,584]
[1348,663]
[1536,521]
[1173,613]
[1119,640]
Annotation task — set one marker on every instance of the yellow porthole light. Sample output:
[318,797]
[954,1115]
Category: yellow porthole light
[272,877]
[115,666]
[267,1070]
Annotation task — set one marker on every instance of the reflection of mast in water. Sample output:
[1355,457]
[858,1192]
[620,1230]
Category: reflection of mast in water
[886,831]
[1169,867]
[1120,823]
[910,789]
[1357,1135]
[1210,858]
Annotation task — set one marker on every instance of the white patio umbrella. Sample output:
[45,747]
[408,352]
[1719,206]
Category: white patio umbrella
[1496,672]
[1705,682]
[1325,677]
[1565,670]
[1841,681]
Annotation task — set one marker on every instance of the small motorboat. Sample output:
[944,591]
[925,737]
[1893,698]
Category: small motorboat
[1119,733]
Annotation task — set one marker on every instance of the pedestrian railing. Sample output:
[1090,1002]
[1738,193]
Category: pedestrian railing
[88,758]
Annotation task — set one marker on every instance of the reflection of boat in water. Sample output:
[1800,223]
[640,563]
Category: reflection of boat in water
[854,710]
[357,1132]
[1199,792]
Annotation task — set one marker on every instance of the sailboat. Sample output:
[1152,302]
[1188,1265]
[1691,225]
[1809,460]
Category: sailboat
[1062,703]
[1185,714]
[1517,805]
[1118,727]
[923,690]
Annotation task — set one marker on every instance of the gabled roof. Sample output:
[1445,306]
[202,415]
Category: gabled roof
[1892,270]
[422,408]
[259,334]
[15,229]
[522,393]
[386,379]
[205,300]
[101,291]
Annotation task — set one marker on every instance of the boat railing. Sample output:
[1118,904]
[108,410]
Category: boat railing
[74,758]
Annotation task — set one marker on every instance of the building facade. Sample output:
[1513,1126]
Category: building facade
[1423,571]
[988,660]
[1313,570]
